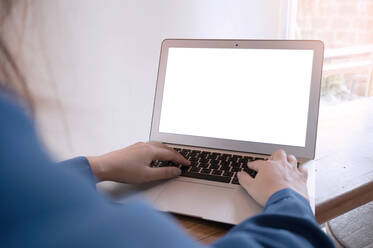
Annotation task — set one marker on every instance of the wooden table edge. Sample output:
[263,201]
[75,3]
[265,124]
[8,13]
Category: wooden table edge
[341,204]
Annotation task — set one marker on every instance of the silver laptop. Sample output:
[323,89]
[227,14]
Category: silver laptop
[223,103]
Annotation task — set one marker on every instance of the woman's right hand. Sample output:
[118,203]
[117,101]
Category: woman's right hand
[277,173]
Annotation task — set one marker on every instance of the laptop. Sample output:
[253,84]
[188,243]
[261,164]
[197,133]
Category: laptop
[224,103]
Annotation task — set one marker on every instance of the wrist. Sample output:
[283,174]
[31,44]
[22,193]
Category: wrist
[97,167]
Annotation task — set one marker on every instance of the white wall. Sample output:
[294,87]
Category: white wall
[93,64]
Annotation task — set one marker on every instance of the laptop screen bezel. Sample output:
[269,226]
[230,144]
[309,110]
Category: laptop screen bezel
[307,152]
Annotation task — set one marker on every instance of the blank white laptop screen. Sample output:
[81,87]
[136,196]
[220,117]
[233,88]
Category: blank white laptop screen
[257,95]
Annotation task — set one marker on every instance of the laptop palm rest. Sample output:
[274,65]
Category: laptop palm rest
[228,205]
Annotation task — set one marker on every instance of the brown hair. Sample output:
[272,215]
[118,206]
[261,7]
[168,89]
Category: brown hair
[10,74]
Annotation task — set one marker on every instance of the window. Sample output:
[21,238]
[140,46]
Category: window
[346,27]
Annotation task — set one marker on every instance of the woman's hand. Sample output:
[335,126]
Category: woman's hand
[132,164]
[277,173]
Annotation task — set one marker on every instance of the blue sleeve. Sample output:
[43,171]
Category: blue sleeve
[44,205]
[81,166]
[286,221]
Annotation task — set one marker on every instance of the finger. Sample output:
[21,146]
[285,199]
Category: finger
[292,159]
[160,173]
[156,143]
[303,170]
[161,153]
[255,165]
[169,148]
[280,155]
[161,145]
[245,180]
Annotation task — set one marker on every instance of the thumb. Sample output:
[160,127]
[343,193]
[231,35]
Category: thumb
[162,173]
[245,180]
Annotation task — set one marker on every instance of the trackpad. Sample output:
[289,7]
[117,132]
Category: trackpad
[199,200]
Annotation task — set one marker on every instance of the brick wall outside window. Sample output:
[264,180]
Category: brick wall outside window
[339,24]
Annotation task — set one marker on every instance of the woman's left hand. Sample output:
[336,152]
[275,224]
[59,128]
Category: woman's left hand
[132,164]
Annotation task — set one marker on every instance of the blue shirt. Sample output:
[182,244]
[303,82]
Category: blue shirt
[48,205]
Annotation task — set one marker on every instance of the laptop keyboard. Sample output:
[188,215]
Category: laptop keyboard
[212,166]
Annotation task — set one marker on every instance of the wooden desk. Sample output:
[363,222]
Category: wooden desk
[344,158]
[344,167]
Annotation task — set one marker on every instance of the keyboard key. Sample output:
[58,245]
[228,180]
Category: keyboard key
[246,159]
[204,155]
[203,165]
[207,177]
[243,162]
[228,173]
[161,163]
[204,160]
[169,163]
[195,159]
[205,171]
[214,166]
[195,169]
[224,156]
[238,165]
[184,152]
[194,163]
[214,162]
[235,164]
[216,172]
[249,171]
[235,180]
[195,153]
[253,173]
[213,155]
[184,168]
[224,163]
[236,158]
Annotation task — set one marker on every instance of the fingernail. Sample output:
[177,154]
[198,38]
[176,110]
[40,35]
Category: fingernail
[239,174]
[177,172]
